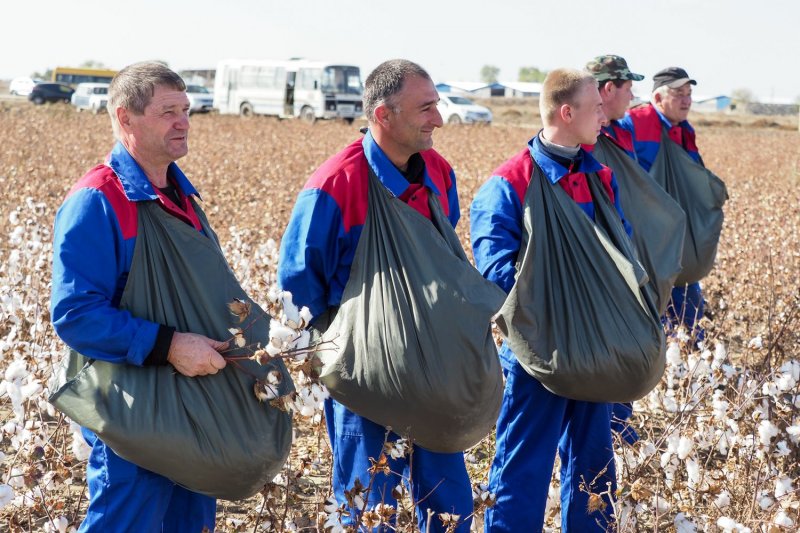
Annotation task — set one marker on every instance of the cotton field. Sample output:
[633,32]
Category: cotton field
[720,435]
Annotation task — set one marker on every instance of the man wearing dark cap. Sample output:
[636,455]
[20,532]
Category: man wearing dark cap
[668,109]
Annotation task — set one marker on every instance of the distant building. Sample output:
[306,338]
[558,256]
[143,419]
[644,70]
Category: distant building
[711,104]
[775,106]
[460,87]
[509,89]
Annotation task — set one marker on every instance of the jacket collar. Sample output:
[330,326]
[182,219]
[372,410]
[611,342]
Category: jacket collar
[667,124]
[134,181]
[387,173]
[553,169]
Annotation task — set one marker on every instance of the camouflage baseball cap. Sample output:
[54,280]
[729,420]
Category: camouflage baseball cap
[608,67]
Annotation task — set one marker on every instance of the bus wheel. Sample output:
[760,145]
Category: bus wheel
[246,109]
[307,114]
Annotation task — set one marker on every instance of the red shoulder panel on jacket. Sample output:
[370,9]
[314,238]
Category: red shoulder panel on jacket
[103,179]
[517,172]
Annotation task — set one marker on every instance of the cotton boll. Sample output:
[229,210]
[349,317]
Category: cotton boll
[683,524]
[766,432]
[6,495]
[756,343]
[783,486]
[723,499]
[16,371]
[794,432]
[684,448]
[674,354]
[30,390]
[782,519]
[728,525]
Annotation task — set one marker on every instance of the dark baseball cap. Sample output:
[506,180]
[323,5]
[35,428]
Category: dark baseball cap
[610,67]
[672,77]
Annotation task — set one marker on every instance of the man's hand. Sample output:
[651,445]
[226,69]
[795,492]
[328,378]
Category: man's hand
[196,355]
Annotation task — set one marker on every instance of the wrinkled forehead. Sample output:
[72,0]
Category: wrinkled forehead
[167,97]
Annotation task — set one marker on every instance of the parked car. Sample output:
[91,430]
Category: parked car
[22,86]
[91,96]
[456,109]
[201,100]
[50,92]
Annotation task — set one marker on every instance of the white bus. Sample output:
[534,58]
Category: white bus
[296,88]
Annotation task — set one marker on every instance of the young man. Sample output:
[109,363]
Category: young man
[533,421]
[668,109]
[316,256]
[93,251]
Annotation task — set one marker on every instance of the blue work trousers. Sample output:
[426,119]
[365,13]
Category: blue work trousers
[687,307]
[124,497]
[533,424]
[439,481]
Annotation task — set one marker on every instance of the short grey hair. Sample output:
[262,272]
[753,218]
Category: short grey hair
[663,90]
[386,81]
[133,88]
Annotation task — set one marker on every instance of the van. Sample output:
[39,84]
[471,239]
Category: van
[91,96]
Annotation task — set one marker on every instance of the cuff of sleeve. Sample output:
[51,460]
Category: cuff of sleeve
[158,355]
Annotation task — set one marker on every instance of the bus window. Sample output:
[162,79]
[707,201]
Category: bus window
[343,80]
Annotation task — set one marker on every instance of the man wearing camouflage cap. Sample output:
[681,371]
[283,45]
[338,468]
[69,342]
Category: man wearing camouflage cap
[668,109]
[615,82]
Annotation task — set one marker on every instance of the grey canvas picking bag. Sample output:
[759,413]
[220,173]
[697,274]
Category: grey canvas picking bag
[658,222]
[209,434]
[411,345]
[701,195]
[580,317]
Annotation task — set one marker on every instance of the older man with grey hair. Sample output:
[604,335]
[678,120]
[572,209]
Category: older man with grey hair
[317,253]
[668,110]
[93,253]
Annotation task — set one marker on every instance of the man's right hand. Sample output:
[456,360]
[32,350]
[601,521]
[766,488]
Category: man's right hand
[195,355]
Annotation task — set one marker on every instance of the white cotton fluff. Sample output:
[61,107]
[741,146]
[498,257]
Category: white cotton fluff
[728,525]
[684,448]
[674,354]
[783,520]
[16,371]
[723,499]
[6,495]
[783,486]
[765,502]
[756,343]
[30,390]
[794,432]
[766,432]
[683,524]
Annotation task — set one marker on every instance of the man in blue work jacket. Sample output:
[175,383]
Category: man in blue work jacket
[316,255]
[533,421]
[93,249]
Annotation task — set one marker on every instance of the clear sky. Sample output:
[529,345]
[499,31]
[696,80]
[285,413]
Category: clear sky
[723,44]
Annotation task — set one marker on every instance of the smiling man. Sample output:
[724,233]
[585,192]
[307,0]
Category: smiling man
[94,248]
[316,257]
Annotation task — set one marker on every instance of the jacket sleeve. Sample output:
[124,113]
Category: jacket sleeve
[496,231]
[310,249]
[89,270]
